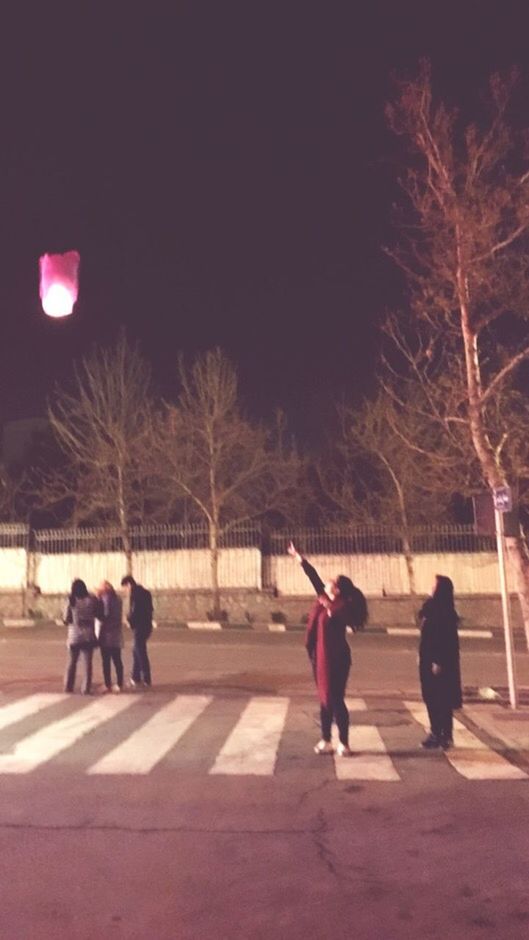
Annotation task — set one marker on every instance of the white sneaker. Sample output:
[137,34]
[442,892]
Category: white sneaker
[116,689]
[343,750]
[323,747]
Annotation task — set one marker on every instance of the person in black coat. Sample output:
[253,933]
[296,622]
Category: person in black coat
[140,622]
[439,666]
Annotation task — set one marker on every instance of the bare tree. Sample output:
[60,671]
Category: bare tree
[372,473]
[229,469]
[463,245]
[104,427]
[11,488]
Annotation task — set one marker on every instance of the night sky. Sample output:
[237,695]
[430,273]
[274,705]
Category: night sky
[225,171]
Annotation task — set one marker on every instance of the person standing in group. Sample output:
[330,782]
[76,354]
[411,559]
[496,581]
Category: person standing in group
[111,635]
[140,622]
[439,666]
[80,615]
[340,604]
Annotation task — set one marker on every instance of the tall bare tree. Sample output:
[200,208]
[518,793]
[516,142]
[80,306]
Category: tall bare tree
[464,247]
[229,469]
[104,429]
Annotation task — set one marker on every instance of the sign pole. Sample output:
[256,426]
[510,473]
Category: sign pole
[505,605]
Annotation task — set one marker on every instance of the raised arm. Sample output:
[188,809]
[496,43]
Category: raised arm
[309,569]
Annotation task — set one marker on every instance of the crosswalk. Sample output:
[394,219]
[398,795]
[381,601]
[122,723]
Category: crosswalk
[134,735]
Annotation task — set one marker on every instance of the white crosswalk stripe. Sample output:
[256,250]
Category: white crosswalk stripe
[248,745]
[252,746]
[470,757]
[146,746]
[40,747]
[24,708]
[370,760]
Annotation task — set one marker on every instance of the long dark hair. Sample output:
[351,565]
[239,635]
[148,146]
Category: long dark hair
[354,598]
[443,595]
[77,591]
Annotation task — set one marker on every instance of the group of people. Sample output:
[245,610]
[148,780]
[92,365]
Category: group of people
[96,620]
[340,605]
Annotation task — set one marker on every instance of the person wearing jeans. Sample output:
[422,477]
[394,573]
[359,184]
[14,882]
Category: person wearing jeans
[140,622]
[80,615]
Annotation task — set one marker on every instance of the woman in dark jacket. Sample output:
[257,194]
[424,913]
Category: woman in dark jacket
[80,616]
[439,662]
[339,605]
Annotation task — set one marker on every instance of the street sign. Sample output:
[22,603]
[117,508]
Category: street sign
[502,498]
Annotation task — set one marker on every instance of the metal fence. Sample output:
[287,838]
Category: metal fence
[143,538]
[14,535]
[381,540]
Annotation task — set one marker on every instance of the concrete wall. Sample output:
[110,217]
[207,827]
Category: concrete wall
[183,569]
[256,607]
[471,572]
[13,562]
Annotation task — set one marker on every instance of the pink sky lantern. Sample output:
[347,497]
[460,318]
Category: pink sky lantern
[59,283]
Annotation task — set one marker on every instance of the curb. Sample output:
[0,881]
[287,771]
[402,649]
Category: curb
[263,627]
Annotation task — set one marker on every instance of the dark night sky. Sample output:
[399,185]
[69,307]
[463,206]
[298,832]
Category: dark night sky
[225,172]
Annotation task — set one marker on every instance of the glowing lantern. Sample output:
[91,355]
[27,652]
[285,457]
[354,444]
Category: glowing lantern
[59,283]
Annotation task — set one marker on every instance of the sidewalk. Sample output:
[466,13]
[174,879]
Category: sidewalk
[509,727]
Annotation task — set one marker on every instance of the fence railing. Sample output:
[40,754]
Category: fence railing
[383,540]
[14,535]
[143,538]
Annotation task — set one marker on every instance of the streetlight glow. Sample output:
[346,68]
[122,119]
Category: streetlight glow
[59,283]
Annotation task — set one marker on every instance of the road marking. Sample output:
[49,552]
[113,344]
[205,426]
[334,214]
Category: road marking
[204,625]
[476,634]
[146,746]
[470,757]
[370,760]
[356,704]
[49,741]
[402,631]
[251,748]
[465,634]
[16,711]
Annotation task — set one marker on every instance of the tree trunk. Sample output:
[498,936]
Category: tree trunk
[519,566]
[492,470]
[214,565]
[408,555]
[124,522]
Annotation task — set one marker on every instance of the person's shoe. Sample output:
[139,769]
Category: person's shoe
[323,747]
[132,683]
[431,742]
[116,689]
[446,743]
[105,690]
[147,685]
[343,750]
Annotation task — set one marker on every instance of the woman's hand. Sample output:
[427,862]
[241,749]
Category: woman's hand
[436,669]
[293,552]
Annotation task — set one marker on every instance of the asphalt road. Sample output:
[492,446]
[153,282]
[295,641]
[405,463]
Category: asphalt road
[196,846]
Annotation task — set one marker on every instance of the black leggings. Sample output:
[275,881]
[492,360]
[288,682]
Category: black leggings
[337,709]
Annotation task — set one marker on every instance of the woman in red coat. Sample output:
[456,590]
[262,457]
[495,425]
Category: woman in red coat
[339,605]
